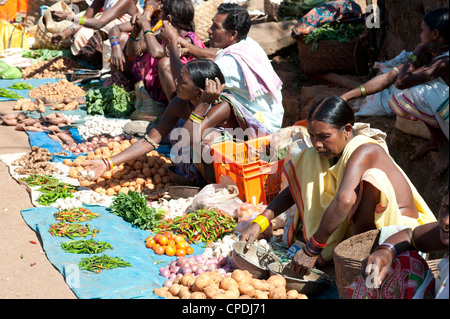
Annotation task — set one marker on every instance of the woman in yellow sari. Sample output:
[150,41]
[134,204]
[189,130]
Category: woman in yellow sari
[345,184]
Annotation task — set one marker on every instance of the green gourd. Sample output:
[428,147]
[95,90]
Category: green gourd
[3,67]
[11,73]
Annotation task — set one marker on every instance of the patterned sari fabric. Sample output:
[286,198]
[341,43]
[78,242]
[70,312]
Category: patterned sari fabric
[427,102]
[405,277]
[145,68]
[328,12]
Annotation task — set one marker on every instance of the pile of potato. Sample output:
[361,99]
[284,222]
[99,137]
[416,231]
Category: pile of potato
[57,92]
[54,68]
[240,285]
[147,172]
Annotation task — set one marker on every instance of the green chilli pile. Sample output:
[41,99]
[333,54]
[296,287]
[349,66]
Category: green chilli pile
[202,225]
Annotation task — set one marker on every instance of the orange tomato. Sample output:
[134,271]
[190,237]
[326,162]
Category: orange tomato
[157,237]
[163,240]
[171,242]
[169,235]
[179,239]
[180,252]
[150,242]
[189,250]
[158,249]
[170,250]
[181,245]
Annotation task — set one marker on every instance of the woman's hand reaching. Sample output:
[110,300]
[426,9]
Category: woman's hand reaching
[97,166]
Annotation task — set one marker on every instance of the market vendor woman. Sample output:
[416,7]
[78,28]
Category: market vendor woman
[345,184]
[206,119]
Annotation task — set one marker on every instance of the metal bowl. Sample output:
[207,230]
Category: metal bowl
[176,192]
[312,285]
[255,260]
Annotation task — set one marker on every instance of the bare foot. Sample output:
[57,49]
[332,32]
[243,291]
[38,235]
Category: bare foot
[423,149]
[441,163]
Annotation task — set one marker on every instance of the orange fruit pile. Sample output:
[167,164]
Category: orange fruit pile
[169,244]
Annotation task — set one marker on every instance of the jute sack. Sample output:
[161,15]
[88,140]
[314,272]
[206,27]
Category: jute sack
[47,27]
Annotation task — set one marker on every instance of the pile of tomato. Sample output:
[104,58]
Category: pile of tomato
[169,244]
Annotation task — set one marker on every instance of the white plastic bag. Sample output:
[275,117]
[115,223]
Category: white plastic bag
[222,196]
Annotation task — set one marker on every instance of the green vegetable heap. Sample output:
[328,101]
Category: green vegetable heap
[113,100]
[89,246]
[132,207]
[202,225]
[342,32]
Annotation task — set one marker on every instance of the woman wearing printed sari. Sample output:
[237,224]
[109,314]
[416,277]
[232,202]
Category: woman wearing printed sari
[395,270]
[421,87]
[90,30]
[345,184]
[146,50]
[206,117]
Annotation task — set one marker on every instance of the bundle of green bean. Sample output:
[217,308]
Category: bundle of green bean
[89,246]
[97,263]
[51,192]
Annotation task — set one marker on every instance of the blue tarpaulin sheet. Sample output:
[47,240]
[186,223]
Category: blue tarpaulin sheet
[128,242]
[23,93]
[42,140]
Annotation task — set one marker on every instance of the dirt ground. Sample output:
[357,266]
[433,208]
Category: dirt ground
[25,272]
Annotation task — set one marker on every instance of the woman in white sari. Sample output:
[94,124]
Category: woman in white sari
[422,87]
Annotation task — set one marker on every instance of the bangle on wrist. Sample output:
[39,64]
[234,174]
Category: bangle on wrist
[108,162]
[115,43]
[316,243]
[363,90]
[389,247]
[414,59]
[262,221]
[151,142]
[135,39]
[148,32]
[81,20]
[113,37]
[71,27]
[196,118]
[313,248]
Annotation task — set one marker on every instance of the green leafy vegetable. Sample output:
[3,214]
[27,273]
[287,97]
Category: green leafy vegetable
[342,32]
[44,54]
[133,208]
[113,100]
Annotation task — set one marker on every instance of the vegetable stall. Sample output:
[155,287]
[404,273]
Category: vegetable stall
[126,234]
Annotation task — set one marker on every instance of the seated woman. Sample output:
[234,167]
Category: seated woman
[422,84]
[149,59]
[208,114]
[396,271]
[90,30]
[345,184]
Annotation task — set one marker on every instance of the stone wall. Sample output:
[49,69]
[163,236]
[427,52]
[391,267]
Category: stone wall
[403,20]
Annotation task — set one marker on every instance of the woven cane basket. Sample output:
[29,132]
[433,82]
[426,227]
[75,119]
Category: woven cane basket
[330,55]
[348,257]
[204,13]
